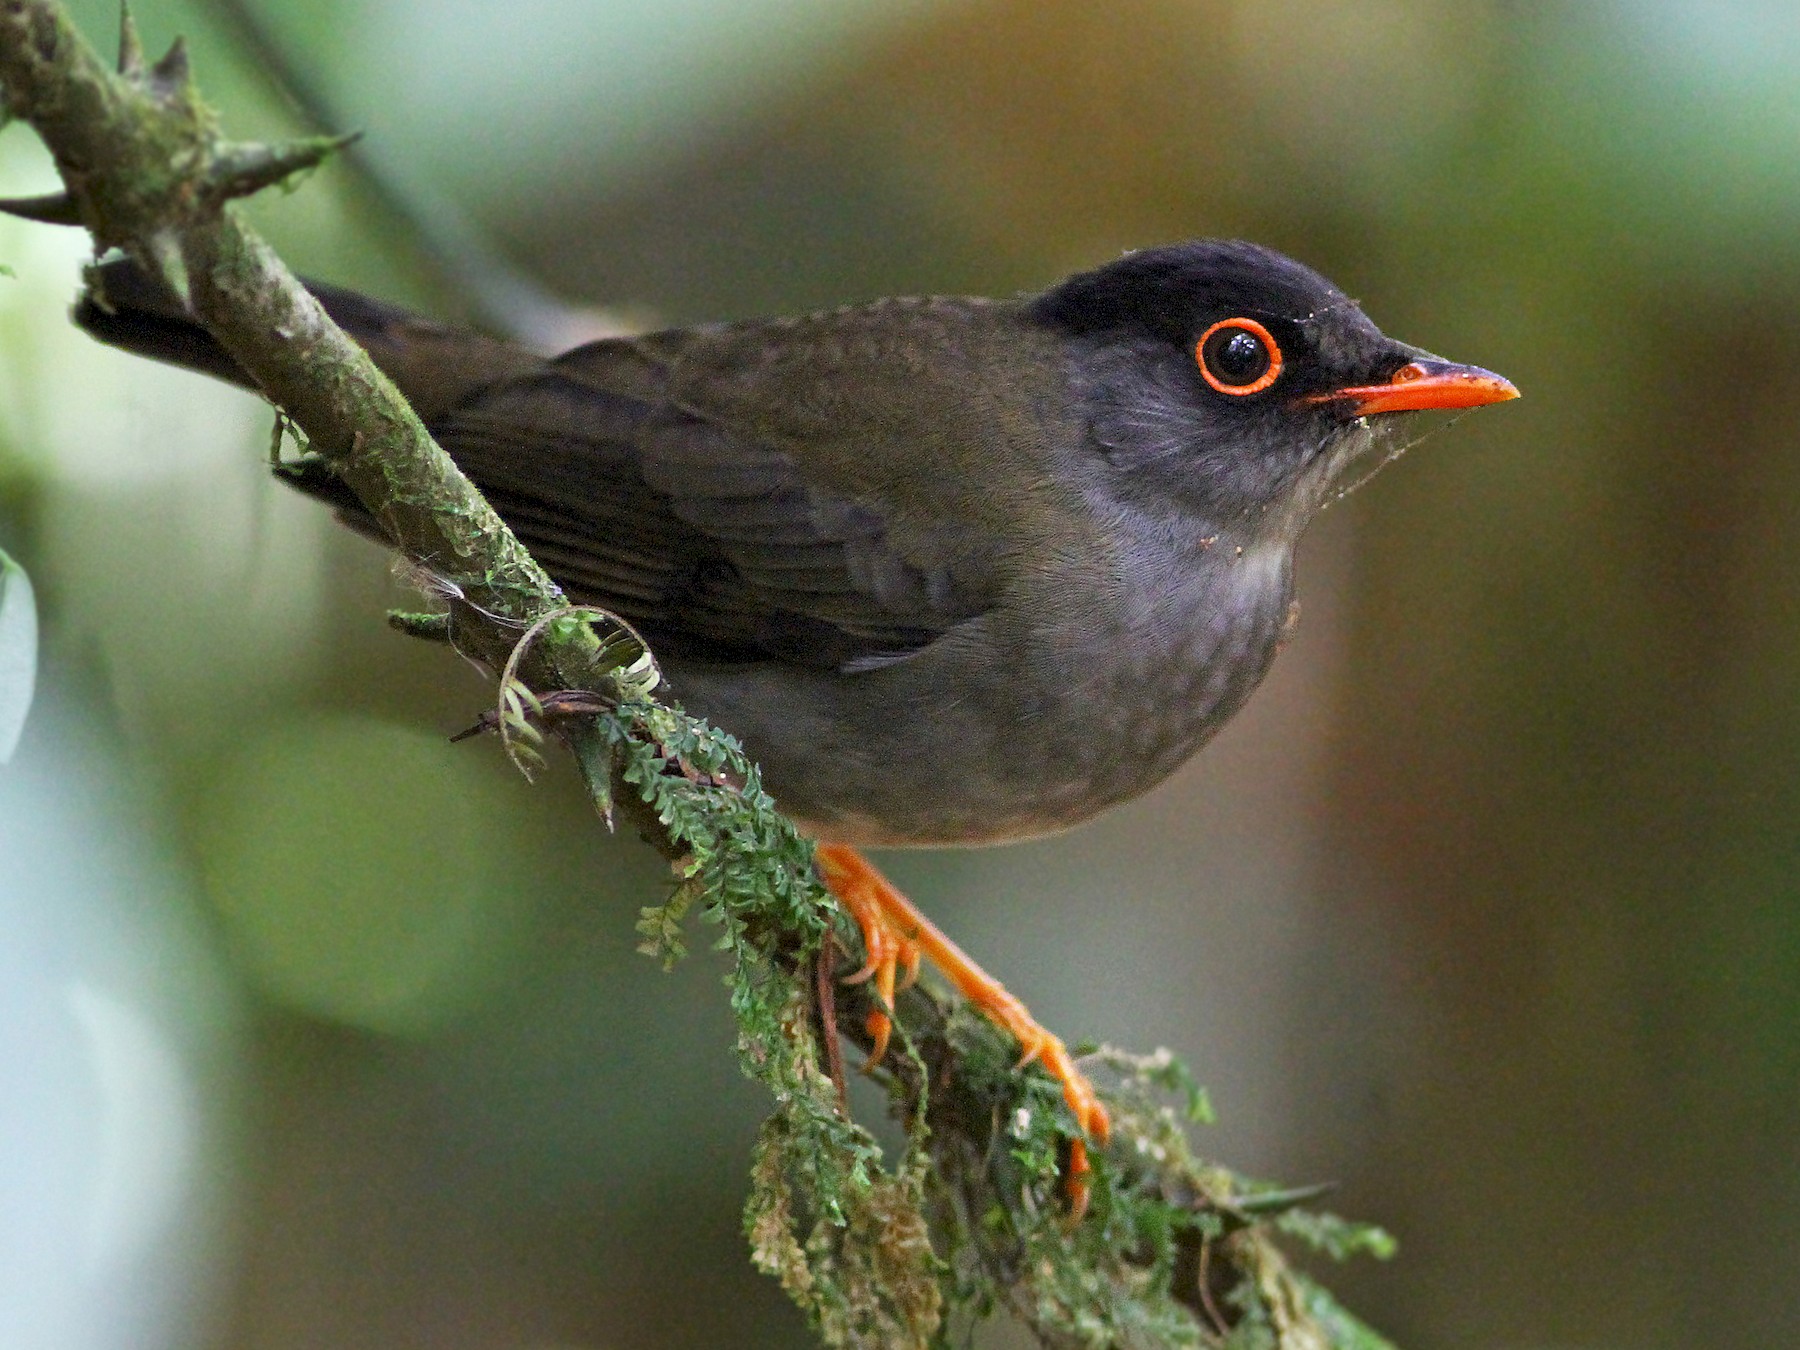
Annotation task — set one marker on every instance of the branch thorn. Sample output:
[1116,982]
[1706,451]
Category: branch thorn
[131,48]
[243,169]
[169,77]
[53,208]
[162,255]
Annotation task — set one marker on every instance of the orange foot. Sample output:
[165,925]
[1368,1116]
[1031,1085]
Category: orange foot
[896,935]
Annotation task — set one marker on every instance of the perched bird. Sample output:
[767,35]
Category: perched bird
[956,571]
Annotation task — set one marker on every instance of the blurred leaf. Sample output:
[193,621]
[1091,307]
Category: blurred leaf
[18,653]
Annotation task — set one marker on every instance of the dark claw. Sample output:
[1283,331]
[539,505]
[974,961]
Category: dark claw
[560,703]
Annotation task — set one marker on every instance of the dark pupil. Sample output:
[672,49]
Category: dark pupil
[1238,357]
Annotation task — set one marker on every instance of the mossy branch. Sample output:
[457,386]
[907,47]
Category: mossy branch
[968,1219]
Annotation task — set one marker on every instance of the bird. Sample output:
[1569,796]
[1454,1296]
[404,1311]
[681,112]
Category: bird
[956,571]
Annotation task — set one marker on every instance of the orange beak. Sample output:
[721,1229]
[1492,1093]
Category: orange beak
[1424,384]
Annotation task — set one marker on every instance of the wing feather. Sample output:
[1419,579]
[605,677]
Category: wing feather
[716,542]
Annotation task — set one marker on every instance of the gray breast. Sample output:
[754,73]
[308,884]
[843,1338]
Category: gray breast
[986,736]
[1188,652]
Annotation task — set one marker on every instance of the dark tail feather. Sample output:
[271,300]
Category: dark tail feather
[124,307]
[435,366]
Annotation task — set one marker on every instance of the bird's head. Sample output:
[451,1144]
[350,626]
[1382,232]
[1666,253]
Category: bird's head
[1230,381]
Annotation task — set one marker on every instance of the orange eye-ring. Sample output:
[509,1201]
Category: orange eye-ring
[1238,356]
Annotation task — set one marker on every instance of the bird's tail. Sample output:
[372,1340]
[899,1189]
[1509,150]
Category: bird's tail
[434,365]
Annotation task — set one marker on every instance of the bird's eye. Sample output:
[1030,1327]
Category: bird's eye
[1238,356]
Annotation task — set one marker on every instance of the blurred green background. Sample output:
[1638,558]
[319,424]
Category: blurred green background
[1488,907]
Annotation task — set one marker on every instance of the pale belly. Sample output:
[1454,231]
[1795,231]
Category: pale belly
[962,747]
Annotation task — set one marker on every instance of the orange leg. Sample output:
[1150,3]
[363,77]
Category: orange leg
[896,934]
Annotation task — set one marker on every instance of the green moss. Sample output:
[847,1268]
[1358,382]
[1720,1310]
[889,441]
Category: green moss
[970,1218]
